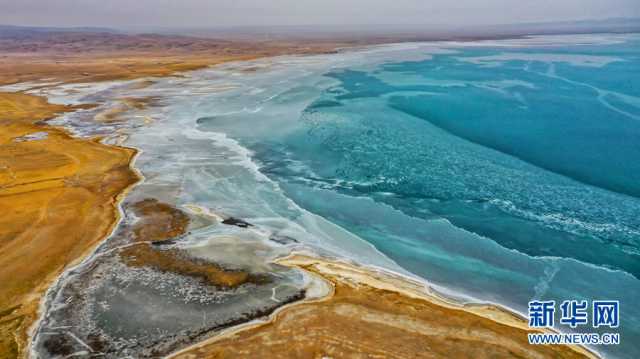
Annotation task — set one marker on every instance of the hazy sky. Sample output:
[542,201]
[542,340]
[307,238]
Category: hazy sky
[194,13]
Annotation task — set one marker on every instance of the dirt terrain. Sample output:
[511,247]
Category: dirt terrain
[88,57]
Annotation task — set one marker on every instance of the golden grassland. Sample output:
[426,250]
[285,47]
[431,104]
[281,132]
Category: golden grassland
[58,198]
[89,57]
[103,67]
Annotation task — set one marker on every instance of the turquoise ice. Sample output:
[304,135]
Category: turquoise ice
[500,171]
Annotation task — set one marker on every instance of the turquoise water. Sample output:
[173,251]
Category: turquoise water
[526,153]
[505,171]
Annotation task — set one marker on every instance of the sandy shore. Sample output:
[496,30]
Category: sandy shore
[372,314]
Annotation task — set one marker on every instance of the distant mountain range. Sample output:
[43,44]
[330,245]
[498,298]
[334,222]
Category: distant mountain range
[619,25]
[12,31]
[352,32]
[413,31]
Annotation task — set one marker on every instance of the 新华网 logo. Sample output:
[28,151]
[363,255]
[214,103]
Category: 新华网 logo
[574,313]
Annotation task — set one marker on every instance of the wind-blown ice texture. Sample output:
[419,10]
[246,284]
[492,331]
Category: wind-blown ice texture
[506,171]
[501,171]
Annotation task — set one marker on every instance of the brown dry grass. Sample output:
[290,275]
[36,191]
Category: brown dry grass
[361,320]
[172,260]
[158,222]
[58,199]
[103,67]
[91,57]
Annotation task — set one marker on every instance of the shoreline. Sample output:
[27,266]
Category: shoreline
[80,260]
[376,277]
[494,311]
[37,296]
[256,323]
[412,287]
[334,272]
[72,168]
